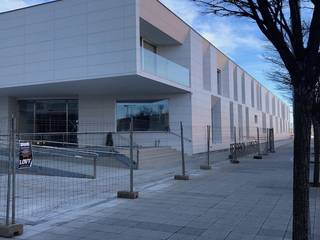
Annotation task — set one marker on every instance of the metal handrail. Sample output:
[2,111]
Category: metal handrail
[179,136]
[66,149]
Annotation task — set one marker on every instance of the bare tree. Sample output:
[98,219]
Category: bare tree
[316,131]
[283,22]
[280,75]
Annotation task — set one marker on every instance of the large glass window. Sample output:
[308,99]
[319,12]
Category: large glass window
[243,88]
[235,84]
[152,115]
[252,93]
[49,116]
[219,85]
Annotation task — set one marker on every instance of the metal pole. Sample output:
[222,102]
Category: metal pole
[272,149]
[138,156]
[95,167]
[235,144]
[258,136]
[131,155]
[9,179]
[13,170]
[182,150]
[268,140]
[208,145]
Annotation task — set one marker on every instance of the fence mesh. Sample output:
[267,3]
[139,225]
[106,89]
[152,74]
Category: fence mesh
[90,163]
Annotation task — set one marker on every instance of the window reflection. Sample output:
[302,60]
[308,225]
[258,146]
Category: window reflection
[150,115]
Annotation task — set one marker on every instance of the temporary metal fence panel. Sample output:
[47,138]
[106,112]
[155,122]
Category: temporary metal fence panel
[4,183]
[63,175]
[73,169]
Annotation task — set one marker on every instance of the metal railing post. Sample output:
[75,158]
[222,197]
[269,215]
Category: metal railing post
[131,155]
[130,194]
[265,151]
[9,180]
[271,135]
[182,150]
[268,141]
[13,213]
[11,229]
[207,166]
[183,176]
[208,145]
[95,167]
[234,155]
[258,156]
[138,158]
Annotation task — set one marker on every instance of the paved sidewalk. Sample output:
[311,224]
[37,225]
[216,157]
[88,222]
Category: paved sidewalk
[251,200]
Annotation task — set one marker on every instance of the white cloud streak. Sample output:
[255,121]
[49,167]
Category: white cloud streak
[224,33]
[230,37]
[184,9]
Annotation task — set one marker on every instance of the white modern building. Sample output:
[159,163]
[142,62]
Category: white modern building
[91,65]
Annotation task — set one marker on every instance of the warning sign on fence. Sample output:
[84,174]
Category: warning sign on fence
[25,155]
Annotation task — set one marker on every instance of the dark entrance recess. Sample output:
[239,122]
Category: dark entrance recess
[52,121]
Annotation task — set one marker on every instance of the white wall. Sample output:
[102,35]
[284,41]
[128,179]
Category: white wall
[68,40]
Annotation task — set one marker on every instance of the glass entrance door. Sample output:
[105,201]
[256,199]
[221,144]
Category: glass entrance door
[50,116]
[53,120]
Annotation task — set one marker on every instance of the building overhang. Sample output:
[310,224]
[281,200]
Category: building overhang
[126,86]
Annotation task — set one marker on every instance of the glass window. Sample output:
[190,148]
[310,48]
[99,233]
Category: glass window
[49,116]
[231,121]
[149,46]
[219,81]
[150,115]
[252,93]
[235,84]
[243,87]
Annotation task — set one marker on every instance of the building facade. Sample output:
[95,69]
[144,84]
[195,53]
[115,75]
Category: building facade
[91,65]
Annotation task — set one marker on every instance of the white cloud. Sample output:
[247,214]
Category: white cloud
[6,5]
[231,37]
[184,9]
[226,34]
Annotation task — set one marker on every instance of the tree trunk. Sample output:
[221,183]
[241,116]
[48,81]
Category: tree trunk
[316,146]
[302,133]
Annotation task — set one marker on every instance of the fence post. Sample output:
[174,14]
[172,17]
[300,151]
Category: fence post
[207,166]
[271,136]
[138,158]
[131,155]
[258,156]
[13,213]
[11,229]
[183,176]
[130,194]
[234,155]
[266,143]
[94,167]
[9,180]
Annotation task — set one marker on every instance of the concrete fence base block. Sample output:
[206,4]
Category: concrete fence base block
[235,161]
[11,230]
[181,177]
[257,157]
[128,194]
[205,167]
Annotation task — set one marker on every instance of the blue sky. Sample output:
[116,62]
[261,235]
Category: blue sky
[238,38]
